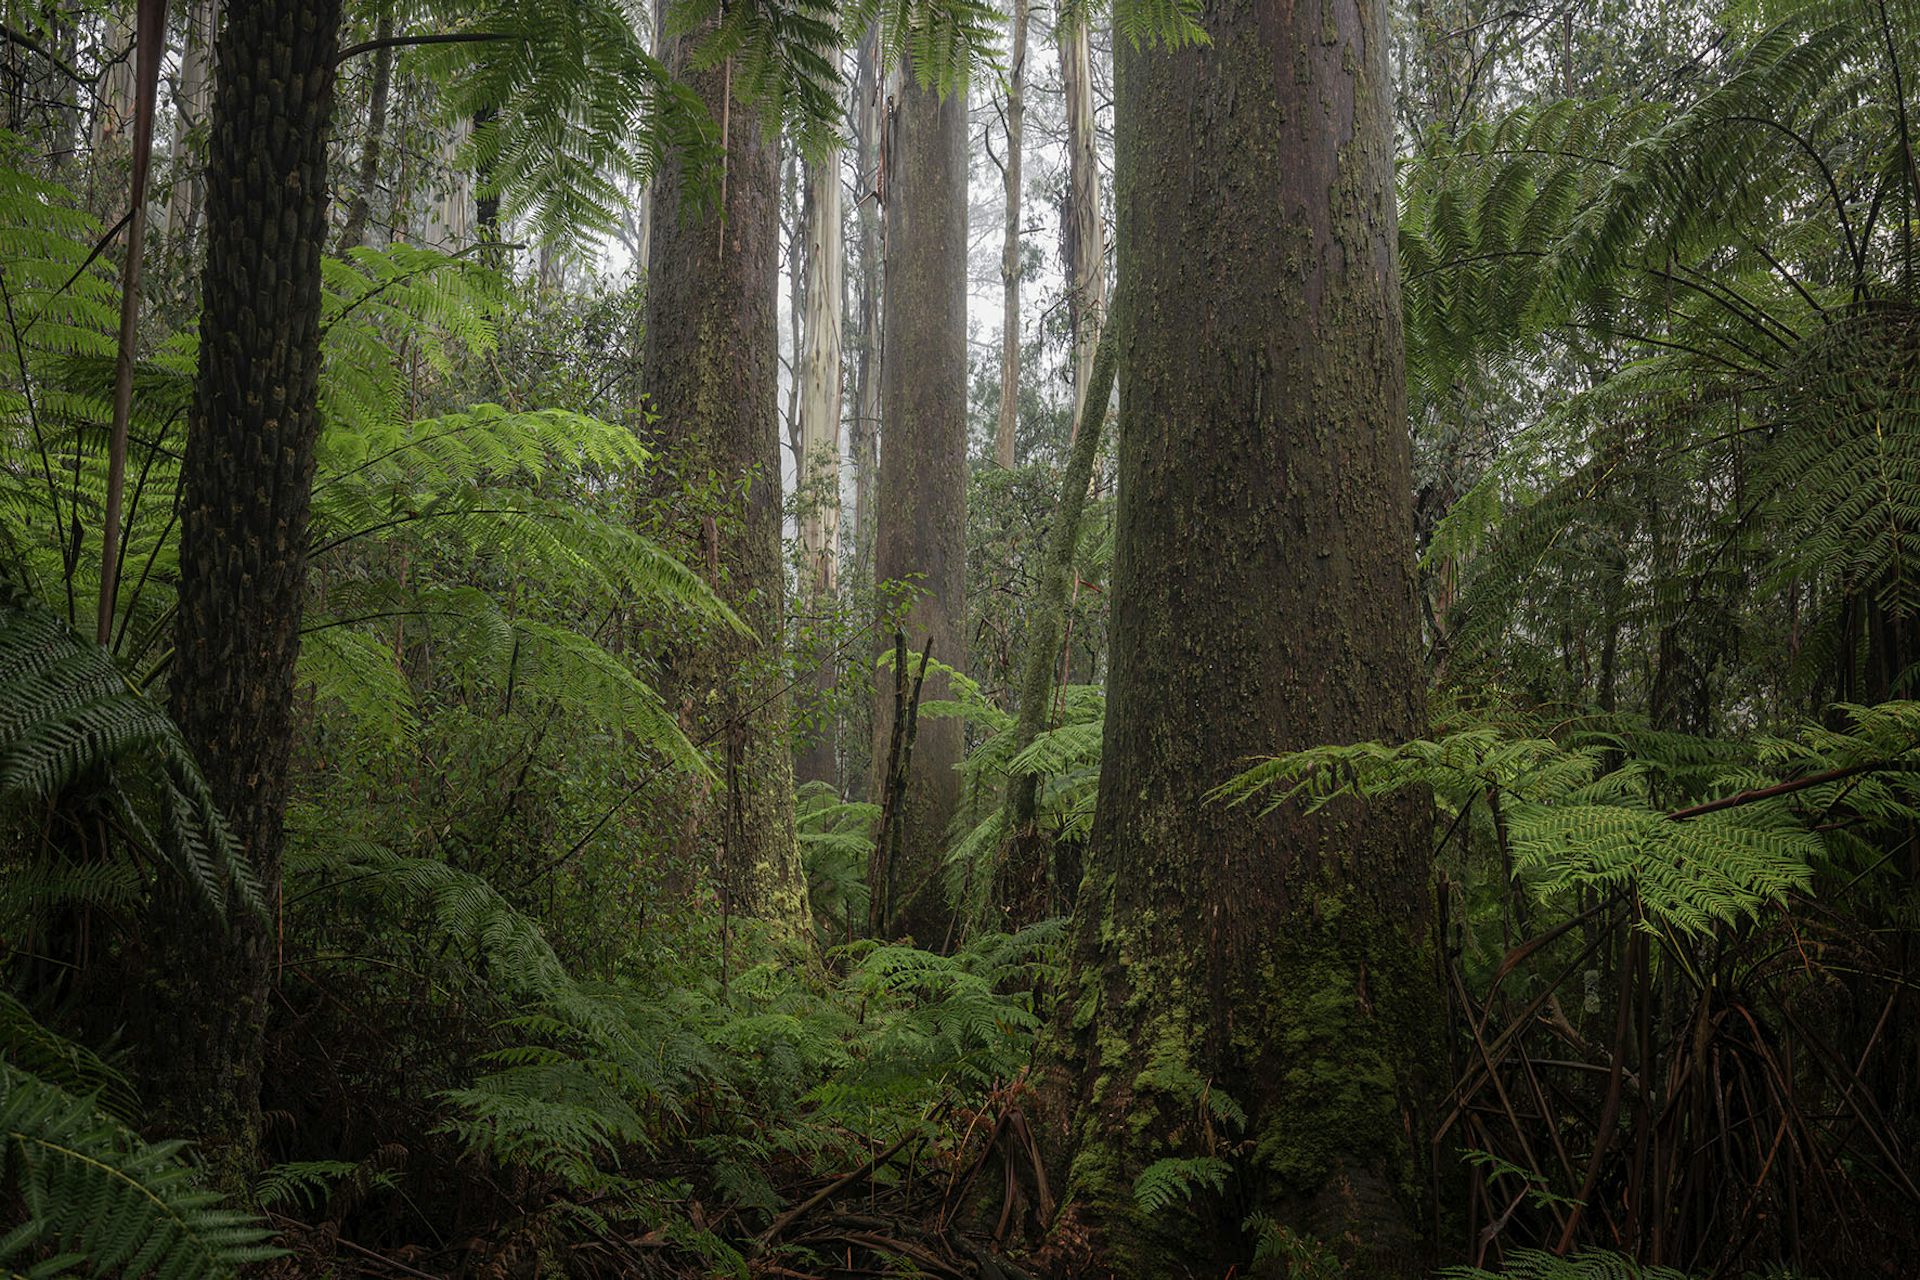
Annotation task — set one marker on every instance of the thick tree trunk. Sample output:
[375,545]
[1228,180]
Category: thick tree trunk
[1086,230]
[1264,600]
[245,490]
[711,365]
[921,538]
[1008,425]
[820,359]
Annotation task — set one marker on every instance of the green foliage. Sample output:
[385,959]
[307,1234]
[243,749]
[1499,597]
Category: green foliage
[1719,296]
[60,1063]
[1173,1180]
[100,1202]
[942,41]
[70,719]
[1066,758]
[1686,823]
[569,103]
[1537,1264]
[836,843]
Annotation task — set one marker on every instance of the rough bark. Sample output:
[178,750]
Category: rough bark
[1009,422]
[1263,600]
[920,545]
[245,490]
[711,365]
[1085,229]
[820,360]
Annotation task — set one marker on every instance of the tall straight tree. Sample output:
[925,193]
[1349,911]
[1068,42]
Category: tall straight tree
[863,430]
[1009,422]
[1085,230]
[711,362]
[920,545]
[820,362]
[245,491]
[1263,600]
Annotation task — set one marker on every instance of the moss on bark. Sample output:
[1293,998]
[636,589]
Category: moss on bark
[1263,597]
[711,370]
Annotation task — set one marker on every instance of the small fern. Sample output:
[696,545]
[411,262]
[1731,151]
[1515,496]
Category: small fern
[1174,1180]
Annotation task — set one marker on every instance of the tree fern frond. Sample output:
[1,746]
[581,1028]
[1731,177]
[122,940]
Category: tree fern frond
[99,1197]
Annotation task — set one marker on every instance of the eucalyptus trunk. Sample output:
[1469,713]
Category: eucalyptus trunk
[1009,422]
[820,361]
[246,486]
[920,550]
[1086,229]
[864,430]
[712,368]
[1263,601]
[193,95]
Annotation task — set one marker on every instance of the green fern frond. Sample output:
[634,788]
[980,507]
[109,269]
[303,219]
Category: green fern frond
[107,1203]
[1174,1180]
[68,714]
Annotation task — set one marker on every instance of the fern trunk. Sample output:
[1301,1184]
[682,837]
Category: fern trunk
[246,484]
[921,545]
[711,366]
[1263,600]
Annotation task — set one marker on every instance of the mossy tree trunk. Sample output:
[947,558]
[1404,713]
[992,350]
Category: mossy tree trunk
[246,486]
[921,500]
[712,374]
[1263,600]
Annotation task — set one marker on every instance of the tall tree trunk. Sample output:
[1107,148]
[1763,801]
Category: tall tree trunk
[1086,230]
[113,100]
[864,430]
[449,221]
[245,488]
[1003,438]
[712,366]
[820,359]
[921,545]
[1264,601]
[192,98]
[354,233]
